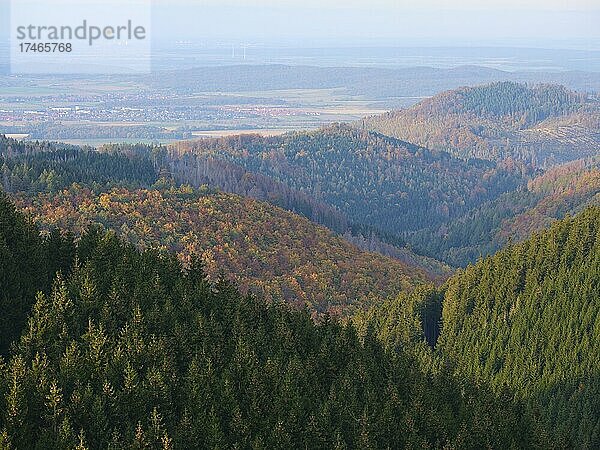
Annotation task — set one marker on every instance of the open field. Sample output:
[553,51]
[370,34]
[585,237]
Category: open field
[225,133]
[103,119]
[96,142]
[174,105]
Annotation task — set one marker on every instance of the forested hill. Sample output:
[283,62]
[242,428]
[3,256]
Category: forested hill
[49,167]
[514,216]
[124,349]
[529,318]
[515,102]
[39,167]
[542,125]
[262,248]
[373,179]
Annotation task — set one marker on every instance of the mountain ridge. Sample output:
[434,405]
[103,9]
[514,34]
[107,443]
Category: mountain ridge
[498,121]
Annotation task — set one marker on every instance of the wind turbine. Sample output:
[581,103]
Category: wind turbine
[245,47]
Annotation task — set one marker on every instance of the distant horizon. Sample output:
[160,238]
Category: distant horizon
[505,58]
[185,55]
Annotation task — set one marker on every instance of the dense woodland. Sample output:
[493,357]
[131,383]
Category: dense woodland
[213,295]
[374,180]
[496,204]
[542,125]
[128,350]
[514,216]
[107,293]
[262,248]
[40,167]
[527,318]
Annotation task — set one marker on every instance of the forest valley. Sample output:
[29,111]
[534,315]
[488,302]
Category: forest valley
[429,278]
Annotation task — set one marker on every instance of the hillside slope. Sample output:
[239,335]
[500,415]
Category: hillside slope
[526,319]
[514,216]
[262,248]
[374,180]
[543,125]
[529,318]
[40,167]
[129,350]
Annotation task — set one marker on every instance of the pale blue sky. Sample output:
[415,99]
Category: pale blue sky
[435,22]
[536,23]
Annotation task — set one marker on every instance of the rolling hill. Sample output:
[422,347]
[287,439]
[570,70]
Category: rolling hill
[264,249]
[42,167]
[379,84]
[526,319]
[374,180]
[127,349]
[543,125]
[123,328]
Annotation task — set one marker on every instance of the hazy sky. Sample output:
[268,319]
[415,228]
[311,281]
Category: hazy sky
[537,23]
[557,5]
[399,22]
